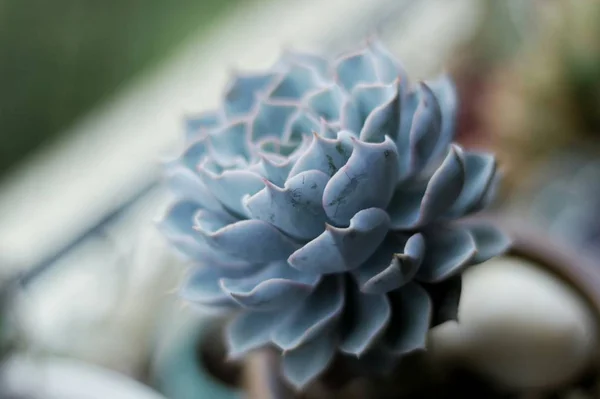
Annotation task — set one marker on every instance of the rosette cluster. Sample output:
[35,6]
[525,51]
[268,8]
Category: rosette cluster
[321,202]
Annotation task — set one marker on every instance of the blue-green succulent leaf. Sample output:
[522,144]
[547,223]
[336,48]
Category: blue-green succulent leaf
[480,169]
[390,267]
[449,250]
[304,363]
[319,312]
[241,94]
[415,208]
[231,186]
[425,129]
[369,319]
[445,92]
[354,69]
[325,155]
[251,240]
[202,286]
[296,209]
[366,181]
[275,286]
[410,321]
[341,249]
[196,126]
[249,331]
[489,240]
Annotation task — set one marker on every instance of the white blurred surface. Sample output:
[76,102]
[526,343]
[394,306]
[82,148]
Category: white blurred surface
[65,379]
[521,325]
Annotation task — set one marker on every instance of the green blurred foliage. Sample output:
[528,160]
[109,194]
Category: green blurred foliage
[59,58]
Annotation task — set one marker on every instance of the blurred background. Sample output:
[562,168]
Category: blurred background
[93,94]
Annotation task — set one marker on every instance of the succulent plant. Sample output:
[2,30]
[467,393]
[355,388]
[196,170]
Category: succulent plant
[321,202]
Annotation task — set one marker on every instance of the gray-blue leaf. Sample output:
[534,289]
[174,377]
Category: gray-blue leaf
[369,318]
[320,311]
[296,210]
[411,209]
[449,250]
[489,240]
[275,286]
[231,186]
[325,155]
[251,240]
[410,321]
[480,169]
[366,181]
[249,331]
[343,249]
[241,93]
[306,362]
[425,130]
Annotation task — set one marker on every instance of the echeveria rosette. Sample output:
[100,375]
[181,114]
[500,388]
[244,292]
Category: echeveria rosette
[321,201]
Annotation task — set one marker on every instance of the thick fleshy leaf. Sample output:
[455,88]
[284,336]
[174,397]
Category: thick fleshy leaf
[201,286]
[197,125]
[301,124]
[271,119]
[230,187]
[409,101]
[326,102]
[425,129]
[449,250]
[384,119]
[390,267]
[274,170]
[250,240]
[367,320]
[194,153]
[489,240]
[325,155]
[295,83]
[319,312]
[411,317]
[249,331]
[303,364]
[187,185]
[366,181]
[480,169]
[354,69]
[445,297]
[342,249]
[387,68]
[319,64]
[412,208]
[177,224]
[296,209]
[276,286]
[446,95]
[240,95]
[230,142]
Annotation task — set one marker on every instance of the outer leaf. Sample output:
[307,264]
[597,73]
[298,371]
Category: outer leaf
[425,130]
[202,286]
[249,331]
[369,317]
[250,240]
[355,68]
[390,268]
[480,170]
[240,95]
[410,321]
[408,211]
[274,287]
[303,364]
[449,250]
[338,250]
[319,312]
[489,240]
